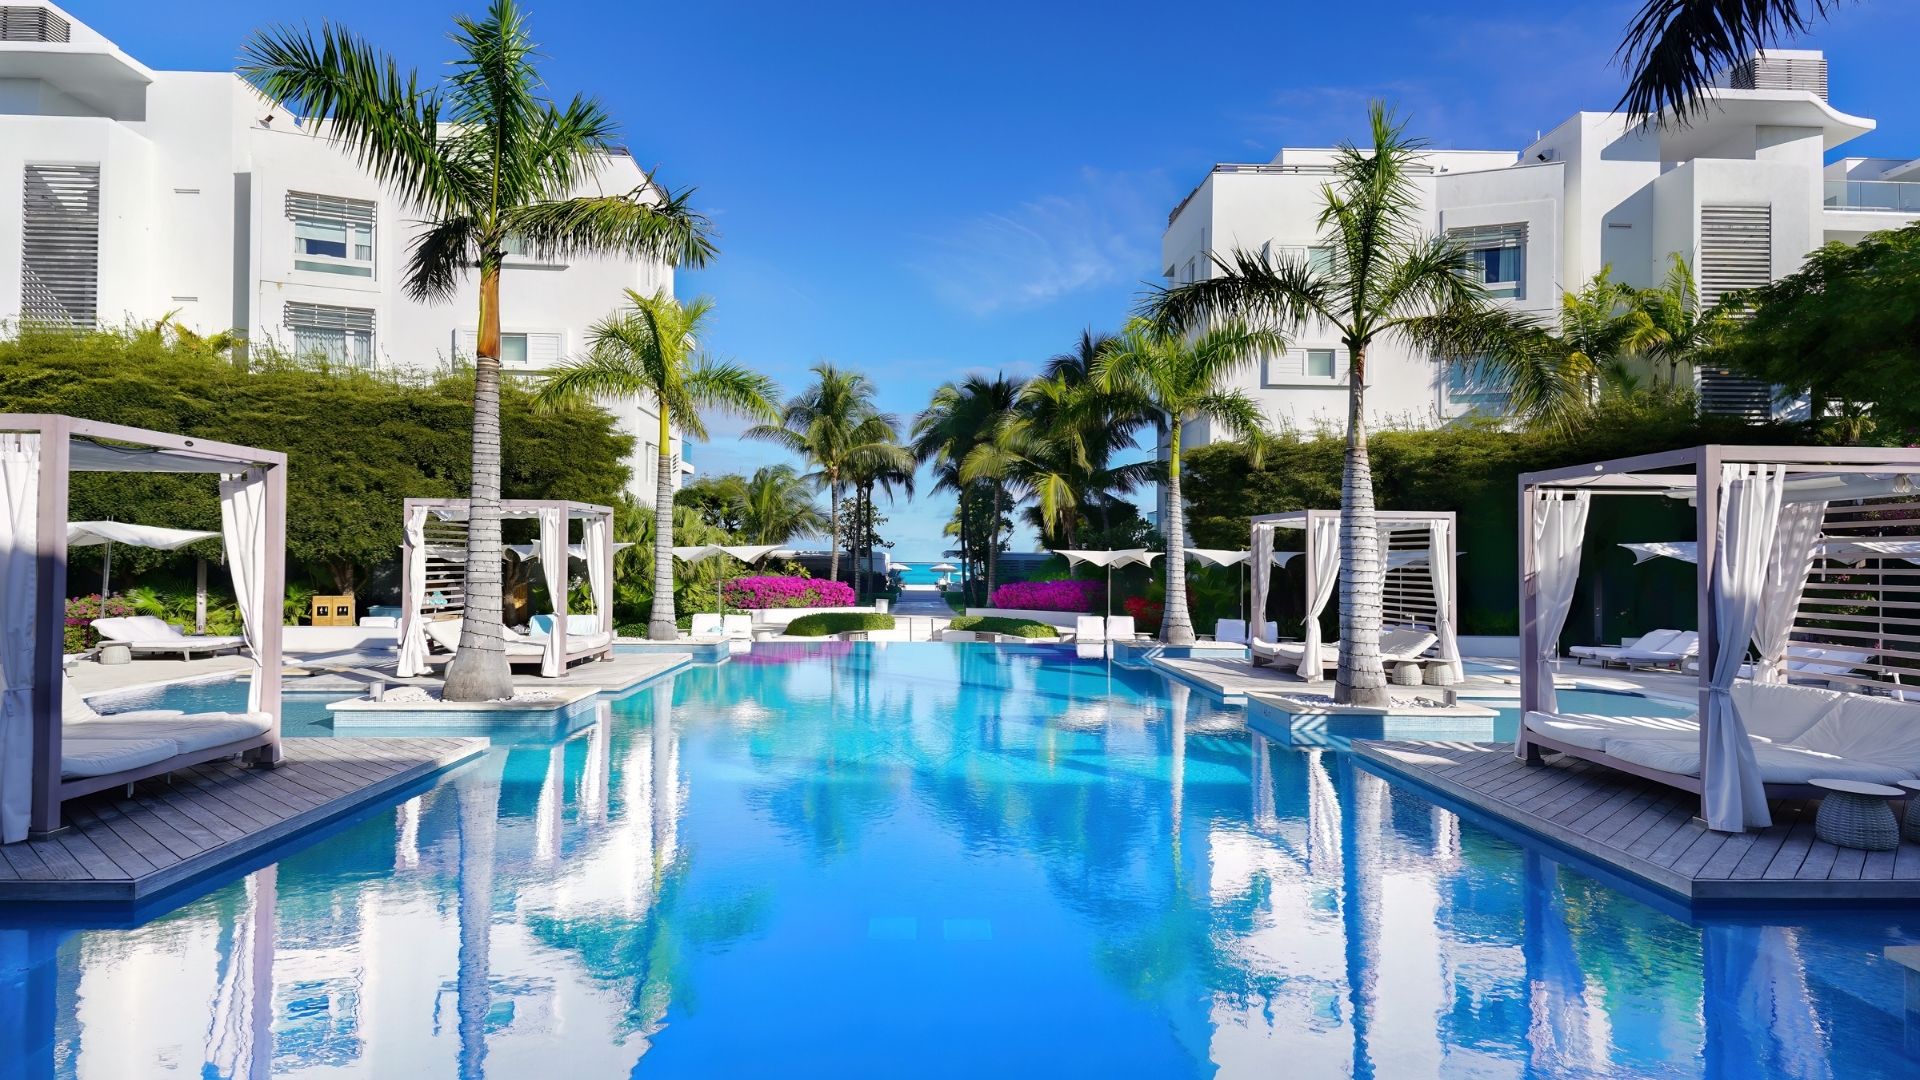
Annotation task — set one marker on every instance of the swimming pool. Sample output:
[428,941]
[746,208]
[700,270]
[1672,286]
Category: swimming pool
[939,860]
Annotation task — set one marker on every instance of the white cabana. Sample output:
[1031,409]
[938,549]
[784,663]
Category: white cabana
[1109,560]
[1418,550]
[1224,557]
[52,748]
[434,570]
[751,554]
[108,533]
[1765,516]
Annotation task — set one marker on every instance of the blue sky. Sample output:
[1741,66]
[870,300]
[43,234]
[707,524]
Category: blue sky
[923,191]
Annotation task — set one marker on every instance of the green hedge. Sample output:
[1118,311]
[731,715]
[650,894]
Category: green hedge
[998,624]
[838,622]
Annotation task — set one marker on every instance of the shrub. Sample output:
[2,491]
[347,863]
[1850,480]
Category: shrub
[788,592]
[82,610]
[1049,595]
[823,623]
[1145,612]
[999,624]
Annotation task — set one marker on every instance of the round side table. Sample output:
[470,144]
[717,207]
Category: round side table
[1910,825]
[1854,814]
[1407,673]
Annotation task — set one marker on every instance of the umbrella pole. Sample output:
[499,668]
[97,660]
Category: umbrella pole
[106,574]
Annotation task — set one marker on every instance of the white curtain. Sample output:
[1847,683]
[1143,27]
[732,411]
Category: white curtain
[1440,569]
[19,595]
[1262,561]
[1788,565]
[413,594]
[593,542]
[243,527]
[1323,574]
[1559,532]
[553,563]
[1732,796]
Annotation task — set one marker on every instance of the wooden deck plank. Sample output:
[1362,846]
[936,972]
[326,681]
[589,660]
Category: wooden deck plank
[1847,864]
[1793,850]
[119,847]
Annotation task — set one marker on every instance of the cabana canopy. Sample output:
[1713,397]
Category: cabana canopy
[424,598]
[1424,556]
[1764,516]
[38,455]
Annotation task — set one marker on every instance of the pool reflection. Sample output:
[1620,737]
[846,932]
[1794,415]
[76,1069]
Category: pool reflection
[938,860]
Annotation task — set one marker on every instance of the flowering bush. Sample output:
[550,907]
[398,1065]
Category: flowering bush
[788,592]
[1049,596]
[82,610]
[1146,613]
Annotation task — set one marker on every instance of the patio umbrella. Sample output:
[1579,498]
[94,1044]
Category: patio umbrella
[109,533]
[751,554]
[1110,559]
[1225,557]
[943,569]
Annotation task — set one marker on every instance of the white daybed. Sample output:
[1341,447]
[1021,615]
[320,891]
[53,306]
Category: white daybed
[584,639]
[1398,645]
[148,635]
[93,745]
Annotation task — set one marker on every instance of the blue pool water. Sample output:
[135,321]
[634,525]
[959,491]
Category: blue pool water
[920,573]
[935,860]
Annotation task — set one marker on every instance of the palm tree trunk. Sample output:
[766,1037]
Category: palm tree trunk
[1360,680]
[833,526]
[1176,623]
[993,544]
[478,670]
[662,624]
[966,550]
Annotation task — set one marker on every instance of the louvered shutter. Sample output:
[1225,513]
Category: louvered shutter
[60,244]
[1736,252]
[302,204]
[19,23]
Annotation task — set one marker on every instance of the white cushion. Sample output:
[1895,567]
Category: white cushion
[1090,628]
[196,642]
[1405,644]
[98,757]
[187,731]
[1594,731]
[1869,729]
[1781,713]
[1778,764]
[1234,630]
[1120,628]
[1678,756]
[707,625]
[1653,641]
[738,626]
[444,633]
[583,625]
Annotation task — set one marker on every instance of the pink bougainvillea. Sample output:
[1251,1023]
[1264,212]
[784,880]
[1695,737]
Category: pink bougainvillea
[788,592]
[82,610]
[1050,595]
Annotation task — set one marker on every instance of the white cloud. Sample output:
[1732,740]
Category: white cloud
[1105,232]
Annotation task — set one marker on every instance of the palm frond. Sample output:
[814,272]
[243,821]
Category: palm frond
[1673,48]
[439,256]
[643,222]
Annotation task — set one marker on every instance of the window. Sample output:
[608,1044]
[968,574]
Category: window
[1496,255]
[522,349]
[340,335]
[1296,367]
[1320,363]
[60,244]
[1472,386]
[513,348]
[332,235]
[1320,259]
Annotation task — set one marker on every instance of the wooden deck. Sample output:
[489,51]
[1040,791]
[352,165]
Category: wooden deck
[117,848]
[1650,832]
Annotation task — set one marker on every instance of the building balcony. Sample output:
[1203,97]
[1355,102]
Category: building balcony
[1898,196]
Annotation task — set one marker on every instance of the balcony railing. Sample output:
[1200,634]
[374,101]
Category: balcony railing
[1902,196]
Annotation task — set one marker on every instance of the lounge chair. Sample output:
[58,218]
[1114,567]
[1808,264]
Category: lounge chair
[1671,654]
[1806,665]
[1235,631]
[147,635]
[707,625]
[738,627]
[1405,643]
[120,748]
[1601,654]
[1120,628]
[1089,628]
[584,639]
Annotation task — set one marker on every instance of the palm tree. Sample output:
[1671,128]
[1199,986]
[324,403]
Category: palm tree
[1384,279]
[958,418]
[834,425]
[482,159]
[892,475]
[1182,378]
[1674,47]
[647,350]
[777,505]
[1673,328]
[1553,375]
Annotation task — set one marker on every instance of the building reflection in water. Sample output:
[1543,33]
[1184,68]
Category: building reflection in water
[1267,904]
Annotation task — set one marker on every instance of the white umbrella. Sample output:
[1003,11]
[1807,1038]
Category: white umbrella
[1225,557]
[1110,559]
[751,554]
[109,533]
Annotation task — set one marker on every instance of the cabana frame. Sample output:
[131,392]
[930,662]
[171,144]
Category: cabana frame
[1697,472]
[1306,521]
[161,452]
[536,509]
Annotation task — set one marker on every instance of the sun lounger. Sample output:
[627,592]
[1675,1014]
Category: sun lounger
[1402,644]
[1235,631]
[1602,654]
[1089,628]
[120,748]
[706,625]
[147,635]
[737,627]
[1120,628]
[584,639]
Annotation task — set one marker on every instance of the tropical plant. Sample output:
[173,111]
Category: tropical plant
[719,500]
[834,425]
[1063,595]
[777,506]
[1180,378]
[943,435]
[999,624]
[1553,375]
[1674,47]
[822,623]
[484,160]
[647,350]
[890,474]
[1383,279]
[1673,328]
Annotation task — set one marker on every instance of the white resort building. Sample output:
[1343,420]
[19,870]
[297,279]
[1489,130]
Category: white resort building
[1743,193]
[143,193]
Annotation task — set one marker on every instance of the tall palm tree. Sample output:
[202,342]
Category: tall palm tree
[482,159]
[648,350]
[1182,378]
[1674,47]
[1553,375]
[892,475]
[958,419]
[835,425]
[1673,328]
[1384,280]
[777,505]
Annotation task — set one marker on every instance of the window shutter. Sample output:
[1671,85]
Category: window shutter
[332,207]
[1489,237]
[19,23]
[1736,252]
[60,244]
[466,343]
[304,316]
